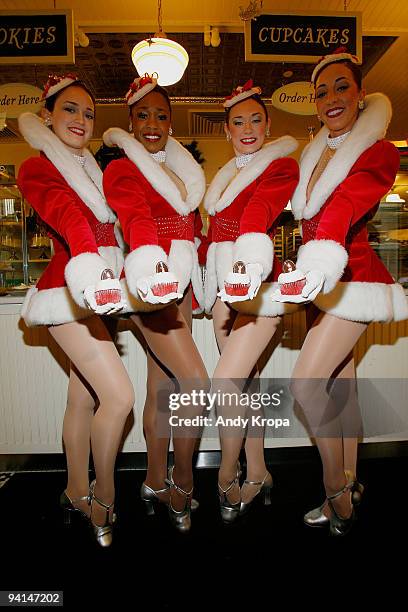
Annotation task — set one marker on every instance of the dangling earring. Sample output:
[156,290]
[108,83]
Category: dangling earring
[228,137]
[130,127]
[267,133]
[47,121]
[170,131]
[319,118]
[361,104]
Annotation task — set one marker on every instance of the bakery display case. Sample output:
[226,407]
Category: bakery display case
[25,248]
[388,230]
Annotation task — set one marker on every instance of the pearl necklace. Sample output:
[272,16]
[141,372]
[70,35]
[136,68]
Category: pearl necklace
[80,159]
[243,160]
[334,143]
[159,157]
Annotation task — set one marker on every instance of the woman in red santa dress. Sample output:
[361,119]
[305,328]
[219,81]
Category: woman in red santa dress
[344,173]
[155,190]
[64,186]
[245,200]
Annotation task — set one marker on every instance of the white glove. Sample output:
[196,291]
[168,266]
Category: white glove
[91,295]
[254,271]
[314,284]
[144,288]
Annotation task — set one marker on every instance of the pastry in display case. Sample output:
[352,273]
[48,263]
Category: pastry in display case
[25,247]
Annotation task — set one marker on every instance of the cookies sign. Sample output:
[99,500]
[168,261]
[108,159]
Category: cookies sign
[37,37]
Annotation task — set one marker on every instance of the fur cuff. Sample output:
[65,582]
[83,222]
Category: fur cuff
[142,262]
[254,248]
[210,279]
[81,271]
[327,256]
[181,262]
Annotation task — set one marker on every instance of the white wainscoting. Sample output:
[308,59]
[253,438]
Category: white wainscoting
[33,378]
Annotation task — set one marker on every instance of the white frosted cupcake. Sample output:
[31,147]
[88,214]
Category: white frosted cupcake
[291,281]
[238,280]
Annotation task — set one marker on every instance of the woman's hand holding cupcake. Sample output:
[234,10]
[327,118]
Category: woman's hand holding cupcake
[106,296]
[242,283]
[160,288]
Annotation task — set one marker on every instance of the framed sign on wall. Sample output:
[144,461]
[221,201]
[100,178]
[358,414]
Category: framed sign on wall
[301,37]
[37,37]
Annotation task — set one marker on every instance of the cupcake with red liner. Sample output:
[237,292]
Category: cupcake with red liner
[291,281]
[238,281]
[106,290]
[164,281]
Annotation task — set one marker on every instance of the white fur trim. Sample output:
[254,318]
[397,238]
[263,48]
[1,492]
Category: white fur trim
[119,236]
[399,302]
[178,159]
[197,282]
[223,261]
[243,95]
[327,256]
[81,271]
[365,302]
[252,248]
[370,126]
[62,84]
[330,59]
[180,262]
[142,262]
[210,279]
[88,188]
[51,307]
[263,305]
[113,257]
[227,185]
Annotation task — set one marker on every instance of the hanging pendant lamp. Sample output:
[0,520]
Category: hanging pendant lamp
[161,55]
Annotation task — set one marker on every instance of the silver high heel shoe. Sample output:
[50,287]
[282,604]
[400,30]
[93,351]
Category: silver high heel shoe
[229,511]
[264,488]
[103,533]
[180,519]
[68,507]
[340,526]
[151,499]
[317,518]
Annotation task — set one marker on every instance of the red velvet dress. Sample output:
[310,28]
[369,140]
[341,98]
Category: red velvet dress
[157,224]
[357,285]
[82,238]
[245,214]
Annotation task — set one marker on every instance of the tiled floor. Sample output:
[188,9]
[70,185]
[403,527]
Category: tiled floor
[149,566]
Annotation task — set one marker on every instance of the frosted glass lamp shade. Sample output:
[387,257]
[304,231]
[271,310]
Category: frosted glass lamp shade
[164,56]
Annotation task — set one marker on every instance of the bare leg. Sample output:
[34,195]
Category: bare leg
[169,338]
[89,346]
[157,448]
[327,344]
[350,444]
[76,434]
[240,350]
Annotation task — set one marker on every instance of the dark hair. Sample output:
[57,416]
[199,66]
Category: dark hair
[355,69]
[159,90]
[50,102]
[255,97]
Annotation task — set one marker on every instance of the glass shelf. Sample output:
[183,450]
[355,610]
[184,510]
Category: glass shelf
[25,248]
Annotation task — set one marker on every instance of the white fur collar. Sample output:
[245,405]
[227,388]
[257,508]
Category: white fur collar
[89,189]
[178,159]
[370,126]
[225,188]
